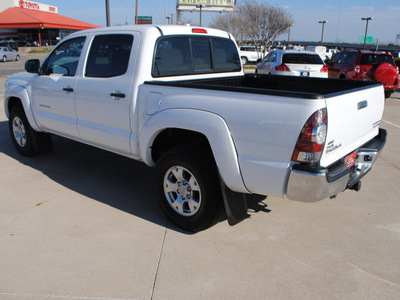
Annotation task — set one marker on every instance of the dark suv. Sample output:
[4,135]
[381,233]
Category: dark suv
[366,65]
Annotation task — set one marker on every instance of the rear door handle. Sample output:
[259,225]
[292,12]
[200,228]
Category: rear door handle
[68,89]
[118,95]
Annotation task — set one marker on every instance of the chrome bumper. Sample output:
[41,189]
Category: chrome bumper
[310,184]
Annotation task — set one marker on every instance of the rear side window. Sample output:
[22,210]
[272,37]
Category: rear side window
[297,58]
[109,55]
[376,59]
[194,55]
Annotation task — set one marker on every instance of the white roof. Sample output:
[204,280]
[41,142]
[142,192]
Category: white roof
[163,29]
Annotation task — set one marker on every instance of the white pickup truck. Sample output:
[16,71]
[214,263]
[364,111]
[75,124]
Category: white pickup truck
[175,97]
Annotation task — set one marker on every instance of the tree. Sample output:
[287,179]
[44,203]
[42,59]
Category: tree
[229,22]
[259,22]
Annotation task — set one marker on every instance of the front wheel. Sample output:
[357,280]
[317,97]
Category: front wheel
[188,188]
[244,60]
[26,140]
[4,59]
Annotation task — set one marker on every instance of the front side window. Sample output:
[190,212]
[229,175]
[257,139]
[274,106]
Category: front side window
[194,55]
[64,59]
[109,55]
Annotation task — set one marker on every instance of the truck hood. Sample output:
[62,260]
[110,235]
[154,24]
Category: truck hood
[20,79]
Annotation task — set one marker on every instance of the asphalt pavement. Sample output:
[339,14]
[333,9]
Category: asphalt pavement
[82,223]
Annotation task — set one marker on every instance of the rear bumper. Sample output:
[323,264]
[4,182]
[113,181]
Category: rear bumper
[309,184]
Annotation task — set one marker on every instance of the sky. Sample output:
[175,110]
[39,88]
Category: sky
[343,17]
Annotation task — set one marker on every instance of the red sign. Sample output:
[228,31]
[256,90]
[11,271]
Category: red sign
[350,160]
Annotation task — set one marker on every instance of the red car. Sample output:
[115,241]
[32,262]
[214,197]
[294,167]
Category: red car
[366,65]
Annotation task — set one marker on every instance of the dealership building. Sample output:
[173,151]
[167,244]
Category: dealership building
[26,21]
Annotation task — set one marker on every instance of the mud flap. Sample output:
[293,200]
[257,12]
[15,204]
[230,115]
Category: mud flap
[235,205]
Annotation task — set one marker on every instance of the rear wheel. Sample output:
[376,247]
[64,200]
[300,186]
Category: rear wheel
[188,188]
[388,94]
[244,60]
[17,58]
[4,59]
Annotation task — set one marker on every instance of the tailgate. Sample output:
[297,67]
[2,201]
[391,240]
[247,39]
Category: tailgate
[353,119]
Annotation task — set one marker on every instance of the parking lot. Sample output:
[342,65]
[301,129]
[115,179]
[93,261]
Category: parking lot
[82,223]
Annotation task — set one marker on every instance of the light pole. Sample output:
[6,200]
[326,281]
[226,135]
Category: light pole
[322,33]
[366,29]
[107,13]
[288,36]
[201,8]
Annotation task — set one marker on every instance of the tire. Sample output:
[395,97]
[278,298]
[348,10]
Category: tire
[17,58]
[188,187]
[244,60]
[27,141]
[385,73]
[388,94]
[4,59]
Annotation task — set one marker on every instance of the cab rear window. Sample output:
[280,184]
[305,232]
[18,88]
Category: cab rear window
[176,56]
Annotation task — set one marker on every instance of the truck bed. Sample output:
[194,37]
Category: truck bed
[289,86]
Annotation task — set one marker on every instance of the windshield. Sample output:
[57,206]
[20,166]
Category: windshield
[302,58]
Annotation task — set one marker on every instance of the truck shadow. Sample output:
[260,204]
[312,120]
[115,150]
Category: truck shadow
[114,180]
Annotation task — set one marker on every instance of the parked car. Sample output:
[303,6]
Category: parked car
[293,63]
[8,54]
[9,44]
[250,54]
[366,65]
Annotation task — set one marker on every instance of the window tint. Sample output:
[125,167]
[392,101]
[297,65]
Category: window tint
[225,56]
[64,59]
[186,55]
[335,58]
[350,58]
[201,55]
[172,57]
[343,58]
[376,59]
[109,55]
[298,58]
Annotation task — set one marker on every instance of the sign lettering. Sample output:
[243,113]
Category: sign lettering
[35,6]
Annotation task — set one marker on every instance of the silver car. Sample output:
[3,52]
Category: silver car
[7,53]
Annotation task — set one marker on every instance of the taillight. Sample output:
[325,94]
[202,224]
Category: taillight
[282,67]
[311,141]
[324,68]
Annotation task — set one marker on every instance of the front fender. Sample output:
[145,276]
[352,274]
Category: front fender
[20,93]
[210,125]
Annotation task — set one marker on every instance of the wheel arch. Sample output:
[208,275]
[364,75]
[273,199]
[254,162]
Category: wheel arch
[18,96]
[183,126]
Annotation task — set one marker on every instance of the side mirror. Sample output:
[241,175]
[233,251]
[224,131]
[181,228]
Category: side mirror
[32,65]
[259,60]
